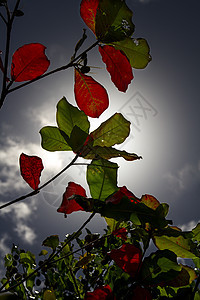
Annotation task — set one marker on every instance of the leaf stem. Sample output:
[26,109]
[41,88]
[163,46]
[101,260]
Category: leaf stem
[42,186]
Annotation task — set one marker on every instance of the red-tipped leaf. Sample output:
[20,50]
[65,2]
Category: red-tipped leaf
[29,62]
[31,168]
[128,258]
[70,205]
[118,65]
[123,191]
[91,96]
[88,10]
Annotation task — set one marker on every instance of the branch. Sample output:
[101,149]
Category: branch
[73,236]
[53,71]
[9,24]
[41,187]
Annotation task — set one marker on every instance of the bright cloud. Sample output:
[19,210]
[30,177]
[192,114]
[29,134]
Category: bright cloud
[189,226]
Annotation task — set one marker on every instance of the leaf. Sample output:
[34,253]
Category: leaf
[77,139]
[43,252]
[137,51]
[49,295]
[88,10]
[51,241]
[118,66]
[29,62]
[176,241]
[54,139]
[150,201]
[121,233]
[91,96]
[128,258]
[113,21]
[31,168]
[101,292]
[70,205]
[196,233]
[109,152]
[19,13]
[84,260]
[102,178]
[123,191]
[113,131]
[68,116]
[186,276]
[160,267]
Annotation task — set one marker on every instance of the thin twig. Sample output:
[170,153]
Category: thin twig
[41,187]
[70,64]
[7,51]
[50,258]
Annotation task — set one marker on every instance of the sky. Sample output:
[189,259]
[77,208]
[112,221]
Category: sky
[162,104]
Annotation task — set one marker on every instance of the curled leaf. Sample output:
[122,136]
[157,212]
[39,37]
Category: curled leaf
[70,205]
[31,168]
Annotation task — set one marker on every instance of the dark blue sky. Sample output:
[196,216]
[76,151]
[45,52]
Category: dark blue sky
[166,136]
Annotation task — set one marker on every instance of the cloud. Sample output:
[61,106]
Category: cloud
[26,233]
[189,226]
[3,247]
[20,214]
[185,178]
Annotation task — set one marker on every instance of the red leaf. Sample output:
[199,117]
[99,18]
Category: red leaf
[29,62]
[141,293]
[121,233]
[88,10]
[70,205]
[100,293]
[91,96]
[118,65]
[31,168]
[123,191]
[128,258]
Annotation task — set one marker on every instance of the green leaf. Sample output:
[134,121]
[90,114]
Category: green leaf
[112,223]
[8,260]
[197,296]
[109,152]
[51,241]
[54,139]
[77,139]
[43,252]
[102,178]
[27,258]
[196,233]
[68,116]
[113,131]
[159,267]
[137,51]
[177,241]
[113,21]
